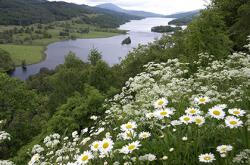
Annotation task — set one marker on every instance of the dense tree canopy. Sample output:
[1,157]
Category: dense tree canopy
[6,63]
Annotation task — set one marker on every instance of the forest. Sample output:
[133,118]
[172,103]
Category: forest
[183,99]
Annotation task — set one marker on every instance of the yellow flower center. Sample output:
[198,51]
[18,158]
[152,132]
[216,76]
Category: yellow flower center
[131,147]
[233,122]
[129,134]
[96,145]
[85,157]
[163,113]
[160,102]
[198,121]
[192,111]
[105,145]
[129,126]
[236,112]
[186,118]
[207,158]
[202,100]
[216,112]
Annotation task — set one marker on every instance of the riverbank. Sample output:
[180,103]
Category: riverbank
[29,43]
[34,53]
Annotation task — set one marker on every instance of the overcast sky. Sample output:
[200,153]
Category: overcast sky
[157,6]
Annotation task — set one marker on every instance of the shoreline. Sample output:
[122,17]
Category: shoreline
[44,47]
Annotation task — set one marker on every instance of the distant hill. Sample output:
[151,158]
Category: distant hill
[183,18]
[113,7]
[26,12]
[184,14]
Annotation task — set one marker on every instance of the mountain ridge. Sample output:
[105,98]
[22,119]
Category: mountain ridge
[26,12]
[113,7]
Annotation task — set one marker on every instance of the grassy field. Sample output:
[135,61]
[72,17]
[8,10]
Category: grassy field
[32,51]
[18,53]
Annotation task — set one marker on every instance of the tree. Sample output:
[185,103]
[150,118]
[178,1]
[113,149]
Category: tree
[94,56]
[23,111]
[207,34]
[100,76]
[6,63]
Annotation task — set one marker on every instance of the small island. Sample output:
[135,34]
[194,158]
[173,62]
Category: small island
[165,29]
[126,41]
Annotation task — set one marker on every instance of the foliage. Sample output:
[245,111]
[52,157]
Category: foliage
[163,117]
[236,17]
[23,111]
[6,63]
[94,56]
[208,34]
[165,29]
[26,12]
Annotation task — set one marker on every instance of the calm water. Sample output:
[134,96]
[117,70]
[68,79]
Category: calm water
[111,48]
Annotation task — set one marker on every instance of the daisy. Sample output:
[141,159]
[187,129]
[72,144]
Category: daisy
[199,120]
[223,149]
[186,119]
[160,114]
[144,135]
[128,126]
[130,147]
[175,122]
[206,158]
[192,111]
[85,157]
[236,112]
[202,100]
[95,146]
[216,112]
[127,135]
[160,103]
[106,145]
[233,122]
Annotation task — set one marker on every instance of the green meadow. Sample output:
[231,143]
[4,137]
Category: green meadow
[29,45]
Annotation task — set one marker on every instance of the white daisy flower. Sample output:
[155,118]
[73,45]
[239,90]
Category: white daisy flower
[144,135]
[192,111]
[199,120]
[127,135]
[216,112]
[175,122]
[202,100]
[95,146]
[149,115]
[130,147]
[236,112]
[206,158]
[106,145]
[128,126]
[85,157]
[171,149]
[186,119]
[184,138]
[160,103]
[233,122]
[160,114]
[223,149]
[93,117]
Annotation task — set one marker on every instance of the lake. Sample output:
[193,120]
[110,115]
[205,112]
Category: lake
[111,48]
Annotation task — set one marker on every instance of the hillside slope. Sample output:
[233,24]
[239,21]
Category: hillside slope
[113,7]
[26,12]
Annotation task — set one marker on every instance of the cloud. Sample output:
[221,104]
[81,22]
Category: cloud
[157,6]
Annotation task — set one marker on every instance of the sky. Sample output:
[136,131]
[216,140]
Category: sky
[156,6]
